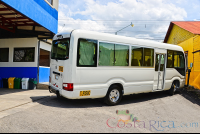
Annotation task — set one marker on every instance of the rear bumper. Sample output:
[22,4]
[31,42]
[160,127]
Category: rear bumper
[51,90]
[63,93]
[95,93]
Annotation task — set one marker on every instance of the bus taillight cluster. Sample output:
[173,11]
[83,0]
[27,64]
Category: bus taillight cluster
[68,86]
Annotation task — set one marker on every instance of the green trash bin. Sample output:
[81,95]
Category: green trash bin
[17,83]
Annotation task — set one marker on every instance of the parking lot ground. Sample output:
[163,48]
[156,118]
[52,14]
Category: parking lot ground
[156,112]
[14,98]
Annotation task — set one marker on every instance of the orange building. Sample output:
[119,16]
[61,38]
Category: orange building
[187,35]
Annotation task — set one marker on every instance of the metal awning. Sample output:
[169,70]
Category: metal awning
[14,24]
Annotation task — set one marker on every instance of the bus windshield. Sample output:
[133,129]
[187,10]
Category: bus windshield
[60,49]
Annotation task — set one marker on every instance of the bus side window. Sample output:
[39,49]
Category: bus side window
[106,54]
[176,59]
[87,55]
[148,57]
[179,61]
[121,55]
[170,59]
[137,56]
[113,54]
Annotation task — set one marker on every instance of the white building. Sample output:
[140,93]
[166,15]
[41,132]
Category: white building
[26,30]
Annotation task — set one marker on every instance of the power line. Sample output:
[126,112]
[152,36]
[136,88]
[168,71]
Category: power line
[123,20]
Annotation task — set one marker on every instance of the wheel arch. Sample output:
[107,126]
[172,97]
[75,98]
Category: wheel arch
[119,82]
[119,85]
[177,82]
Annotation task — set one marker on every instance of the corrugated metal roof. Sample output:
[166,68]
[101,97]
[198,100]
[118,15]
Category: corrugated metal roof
[191,26]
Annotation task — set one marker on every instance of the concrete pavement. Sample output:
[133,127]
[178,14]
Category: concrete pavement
[15,98]
[157,112]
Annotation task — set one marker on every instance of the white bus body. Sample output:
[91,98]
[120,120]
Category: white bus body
[71,81]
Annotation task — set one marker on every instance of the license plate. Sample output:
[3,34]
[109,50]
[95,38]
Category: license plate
[56,77]
[85,93]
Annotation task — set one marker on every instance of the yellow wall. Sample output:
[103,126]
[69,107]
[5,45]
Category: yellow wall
[178,35]
[191,45]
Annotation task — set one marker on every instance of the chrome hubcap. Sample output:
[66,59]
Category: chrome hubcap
[114,95]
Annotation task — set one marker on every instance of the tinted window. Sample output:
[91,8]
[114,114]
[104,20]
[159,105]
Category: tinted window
[121,55]
[160,60]
[113,54]
[60,49]
[170,59]
[87,53]
[176,60]
[106,54]
[24,54]
[137,56]
[148,57]
[4,54]
[179,61]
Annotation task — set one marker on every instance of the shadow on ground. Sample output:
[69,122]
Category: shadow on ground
[4,91]
[193,95]
[89,103]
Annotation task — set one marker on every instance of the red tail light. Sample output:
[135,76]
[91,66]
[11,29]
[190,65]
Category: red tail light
[68,86]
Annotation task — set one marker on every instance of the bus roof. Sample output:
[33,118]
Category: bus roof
[116,39]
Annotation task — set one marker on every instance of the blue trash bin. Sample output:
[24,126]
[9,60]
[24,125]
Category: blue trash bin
[1,83]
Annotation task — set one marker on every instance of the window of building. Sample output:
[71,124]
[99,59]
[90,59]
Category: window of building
[24,54]
[50,1]
[87,53]
[4,54]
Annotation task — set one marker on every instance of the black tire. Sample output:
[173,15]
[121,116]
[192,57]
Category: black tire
[59,96]
[173,89]
[113,89]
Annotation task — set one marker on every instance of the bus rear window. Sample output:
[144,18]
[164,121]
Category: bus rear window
[60,49]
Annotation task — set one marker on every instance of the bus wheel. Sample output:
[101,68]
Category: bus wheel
[58,95]
[174,88]
[114,95]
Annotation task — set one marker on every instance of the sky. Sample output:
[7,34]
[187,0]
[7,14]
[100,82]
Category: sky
[151,18]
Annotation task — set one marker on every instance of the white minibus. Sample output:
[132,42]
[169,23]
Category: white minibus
[86,64]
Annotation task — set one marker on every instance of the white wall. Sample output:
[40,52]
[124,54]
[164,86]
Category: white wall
[45,46]
[55,4]
[15,43]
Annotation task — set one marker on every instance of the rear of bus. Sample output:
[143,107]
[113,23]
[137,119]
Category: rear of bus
[60,81]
